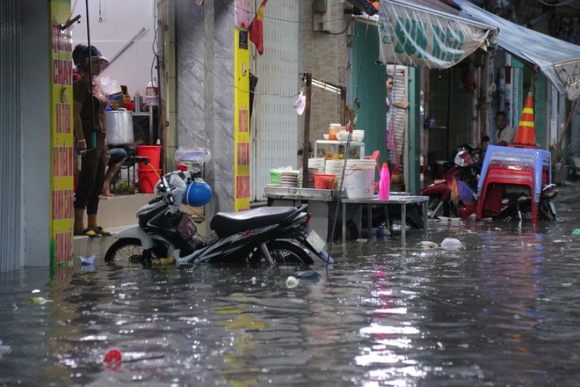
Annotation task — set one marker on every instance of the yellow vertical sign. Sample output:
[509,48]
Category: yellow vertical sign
[61,140]
[241,120]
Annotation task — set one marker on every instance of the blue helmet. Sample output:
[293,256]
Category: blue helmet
[197,194]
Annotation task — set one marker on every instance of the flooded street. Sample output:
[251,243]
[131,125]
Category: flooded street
[503,311]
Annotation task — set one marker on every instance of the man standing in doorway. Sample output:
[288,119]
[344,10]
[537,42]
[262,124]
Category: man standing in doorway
[504,134]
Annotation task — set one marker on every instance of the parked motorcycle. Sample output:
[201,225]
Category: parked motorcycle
[262,235]
[455,194]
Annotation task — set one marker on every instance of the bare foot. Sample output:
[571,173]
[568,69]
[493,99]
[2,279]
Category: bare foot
[108,194]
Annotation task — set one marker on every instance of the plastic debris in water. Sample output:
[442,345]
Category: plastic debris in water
[87,261]
[576,231]
[427,245]
[452,244]
[4,349]
[163,261]
[87,264]
[38,300]
[114,355]
[309,275]
[292,282]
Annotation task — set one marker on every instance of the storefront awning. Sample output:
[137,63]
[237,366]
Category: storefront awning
[441,33]
[428,33]
[558,60]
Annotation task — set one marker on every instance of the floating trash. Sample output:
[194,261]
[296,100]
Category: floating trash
[88,261]
[427,245]
[452,244]
[39,300]
[292,282]
[4,349]
[309,275]
[114,355]
[169,261]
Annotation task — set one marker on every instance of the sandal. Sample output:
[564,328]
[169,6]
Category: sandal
[101,231]
[87,232]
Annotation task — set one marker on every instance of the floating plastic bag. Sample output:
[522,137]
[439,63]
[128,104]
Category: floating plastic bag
[427,245]
[452,244]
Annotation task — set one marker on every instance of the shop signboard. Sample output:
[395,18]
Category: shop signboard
[241,120]
[61,140]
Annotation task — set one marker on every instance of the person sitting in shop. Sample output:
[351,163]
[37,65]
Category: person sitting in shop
[117,157]
[505,134]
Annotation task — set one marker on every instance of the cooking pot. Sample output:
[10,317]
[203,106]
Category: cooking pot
[120,127]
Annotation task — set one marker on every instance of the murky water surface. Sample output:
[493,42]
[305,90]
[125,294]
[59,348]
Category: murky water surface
[501,312]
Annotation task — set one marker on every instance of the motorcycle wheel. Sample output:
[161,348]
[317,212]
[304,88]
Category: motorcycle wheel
[283,253]
[545,212]
[129,253]
[435,210]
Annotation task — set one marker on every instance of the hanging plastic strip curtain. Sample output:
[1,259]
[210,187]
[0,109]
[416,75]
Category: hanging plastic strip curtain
[429,34]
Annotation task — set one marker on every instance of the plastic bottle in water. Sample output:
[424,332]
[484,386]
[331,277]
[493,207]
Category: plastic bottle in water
[152,93]
[385,182]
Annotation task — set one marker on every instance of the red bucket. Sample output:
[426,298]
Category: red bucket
[148,177]
[151,151]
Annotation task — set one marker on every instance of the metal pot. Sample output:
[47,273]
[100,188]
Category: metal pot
[120,127]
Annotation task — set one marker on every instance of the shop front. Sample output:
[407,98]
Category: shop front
[470,64]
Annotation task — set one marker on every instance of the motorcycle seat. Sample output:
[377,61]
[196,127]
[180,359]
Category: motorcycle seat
[233,222]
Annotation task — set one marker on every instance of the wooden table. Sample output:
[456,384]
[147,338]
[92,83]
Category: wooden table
[394,198]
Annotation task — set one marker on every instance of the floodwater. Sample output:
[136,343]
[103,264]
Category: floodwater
[503,311]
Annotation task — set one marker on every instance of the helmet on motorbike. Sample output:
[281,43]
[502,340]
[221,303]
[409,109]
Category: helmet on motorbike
[197,194]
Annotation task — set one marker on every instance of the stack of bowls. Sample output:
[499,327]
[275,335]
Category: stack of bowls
[317,163]
[290,179]
[342,135]
[358,135]
[334,167]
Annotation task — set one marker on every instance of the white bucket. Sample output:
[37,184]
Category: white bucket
[335,167]
[359,182]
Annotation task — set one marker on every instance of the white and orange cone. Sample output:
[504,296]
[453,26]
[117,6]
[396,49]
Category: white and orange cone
[526,135]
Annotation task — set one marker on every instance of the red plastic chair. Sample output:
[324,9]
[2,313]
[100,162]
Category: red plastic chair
[495,179]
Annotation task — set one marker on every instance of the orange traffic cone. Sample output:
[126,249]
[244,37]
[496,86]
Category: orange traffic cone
[526,135]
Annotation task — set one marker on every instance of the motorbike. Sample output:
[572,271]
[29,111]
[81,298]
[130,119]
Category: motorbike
[455,194]
[263,235]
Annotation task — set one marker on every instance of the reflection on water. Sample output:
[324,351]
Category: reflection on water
[501,312]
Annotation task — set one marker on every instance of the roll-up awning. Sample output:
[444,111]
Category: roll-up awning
[428,33]
[558,60]
[441,33]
